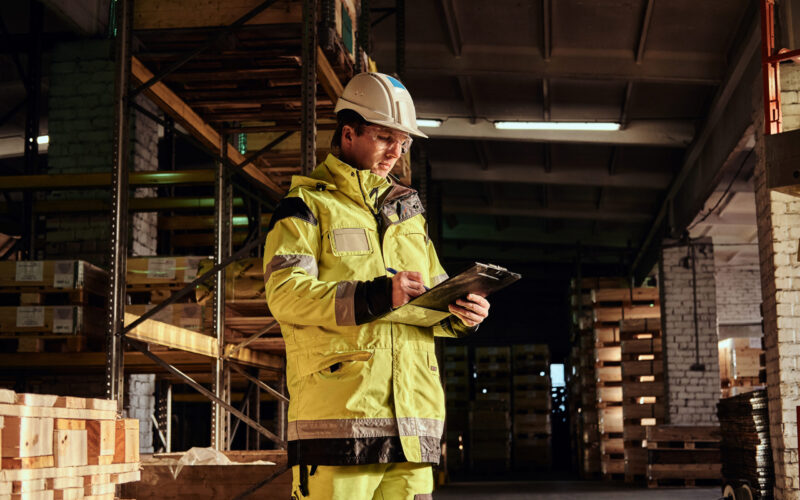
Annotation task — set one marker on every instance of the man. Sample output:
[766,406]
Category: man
[366,408]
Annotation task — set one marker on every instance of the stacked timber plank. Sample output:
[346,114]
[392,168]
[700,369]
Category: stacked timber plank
[52,306]
[489,415]
[745,447]
[740,365]
[457,397]
[642,389]
[683,456]
[65,447]
[531,403]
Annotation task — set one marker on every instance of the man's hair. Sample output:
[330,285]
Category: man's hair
[346,117]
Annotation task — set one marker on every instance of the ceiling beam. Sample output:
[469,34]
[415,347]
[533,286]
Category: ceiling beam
[671,133]
[644,30]
[524,209]
[465,84]
[536,174]
[451,27]
[546,99]
[528,63]
[482,152]
[726,132]
[547,29]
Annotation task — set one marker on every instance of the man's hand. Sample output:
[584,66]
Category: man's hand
[471,311]
[405,286]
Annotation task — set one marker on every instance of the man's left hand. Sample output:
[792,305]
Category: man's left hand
[472,310]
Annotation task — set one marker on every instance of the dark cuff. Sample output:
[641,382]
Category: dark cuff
[372,299]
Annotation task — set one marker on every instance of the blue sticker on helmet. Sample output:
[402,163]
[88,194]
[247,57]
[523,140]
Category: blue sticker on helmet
[396,82]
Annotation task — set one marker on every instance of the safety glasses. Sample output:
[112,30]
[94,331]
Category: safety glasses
[387,139]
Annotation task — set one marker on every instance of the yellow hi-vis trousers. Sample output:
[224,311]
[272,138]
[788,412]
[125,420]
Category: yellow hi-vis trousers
[394,481]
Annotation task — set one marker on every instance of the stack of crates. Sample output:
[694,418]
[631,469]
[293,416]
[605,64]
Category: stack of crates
[152,280]
[642,390]
[612,305]
[51,305]
[457,395]
[490,416]
[609,399]
[531,403]
[582,384]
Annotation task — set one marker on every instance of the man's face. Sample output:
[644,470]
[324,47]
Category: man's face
[376,149]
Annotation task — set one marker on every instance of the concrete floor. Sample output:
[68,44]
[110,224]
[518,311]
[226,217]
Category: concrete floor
[567,490]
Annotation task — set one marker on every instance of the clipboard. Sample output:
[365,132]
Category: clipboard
[431,307]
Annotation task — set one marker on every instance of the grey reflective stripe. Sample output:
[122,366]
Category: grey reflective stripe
[345,304]
[307,262]
[411,426]
[364,428]
[346,428]
[438,279]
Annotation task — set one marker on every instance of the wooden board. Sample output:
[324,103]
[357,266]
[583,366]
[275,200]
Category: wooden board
[126,441]
[202,482]
[101,439]
[24,437]
[624,294]
[70,448]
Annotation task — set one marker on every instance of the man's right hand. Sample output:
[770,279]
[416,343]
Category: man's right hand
[405,286]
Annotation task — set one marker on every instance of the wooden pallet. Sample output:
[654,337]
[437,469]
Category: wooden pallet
[683,456]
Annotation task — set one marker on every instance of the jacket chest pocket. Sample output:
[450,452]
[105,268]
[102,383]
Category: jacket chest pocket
[350,241]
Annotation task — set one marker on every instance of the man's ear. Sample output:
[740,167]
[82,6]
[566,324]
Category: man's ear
[347,133]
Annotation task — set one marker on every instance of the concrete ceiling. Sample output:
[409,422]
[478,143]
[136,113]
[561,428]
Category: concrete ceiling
[658,68]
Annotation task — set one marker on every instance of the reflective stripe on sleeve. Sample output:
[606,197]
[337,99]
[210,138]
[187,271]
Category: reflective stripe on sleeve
[345,303]
[306,262]
[364,428]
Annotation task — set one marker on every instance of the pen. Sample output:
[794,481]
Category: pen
[394,271]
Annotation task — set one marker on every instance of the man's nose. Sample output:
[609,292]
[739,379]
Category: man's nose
[394,150]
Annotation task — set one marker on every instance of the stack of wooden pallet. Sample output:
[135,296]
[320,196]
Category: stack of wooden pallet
[683,456]
[531,405]
[740,365]
[52,306]
[613,307]
[642,389]
[490,416]
[609,399]
[457,377]
[64,447]
[745,446]
[581,377]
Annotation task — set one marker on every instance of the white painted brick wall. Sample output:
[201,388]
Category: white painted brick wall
[692,396]
[141,404]
[738,294]
[778,232]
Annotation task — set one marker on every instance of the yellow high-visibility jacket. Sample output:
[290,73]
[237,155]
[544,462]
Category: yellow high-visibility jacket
[362,389]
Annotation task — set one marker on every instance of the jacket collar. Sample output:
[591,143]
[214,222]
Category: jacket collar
[362,186]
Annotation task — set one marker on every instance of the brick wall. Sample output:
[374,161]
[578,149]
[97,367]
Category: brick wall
[692,396]
[81,123]
[778,218]
[738,300]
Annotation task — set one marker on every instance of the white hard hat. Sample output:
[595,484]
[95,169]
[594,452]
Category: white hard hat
[382,100]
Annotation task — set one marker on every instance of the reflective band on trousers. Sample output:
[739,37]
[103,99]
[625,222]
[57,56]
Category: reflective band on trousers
[306,262]
[364,428]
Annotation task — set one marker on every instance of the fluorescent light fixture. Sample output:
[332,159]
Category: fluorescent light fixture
[43,139]
[424,122]
[585,126]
